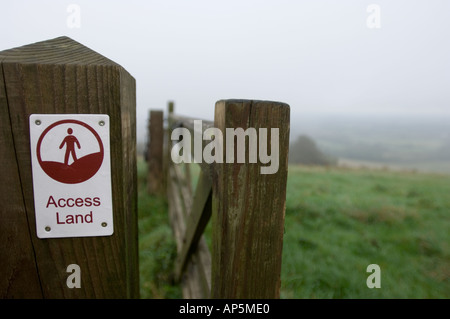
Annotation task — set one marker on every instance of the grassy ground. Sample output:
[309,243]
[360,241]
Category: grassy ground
[157,247]
[338,222]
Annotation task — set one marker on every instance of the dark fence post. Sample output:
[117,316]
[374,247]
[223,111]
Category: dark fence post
[155,177]
[168,144]
[61,76]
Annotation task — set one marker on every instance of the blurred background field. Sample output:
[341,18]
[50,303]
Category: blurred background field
[338,221]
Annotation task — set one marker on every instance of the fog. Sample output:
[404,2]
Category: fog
[324,58]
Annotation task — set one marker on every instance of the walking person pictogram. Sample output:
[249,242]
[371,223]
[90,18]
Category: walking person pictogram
[70,142]
[85,163]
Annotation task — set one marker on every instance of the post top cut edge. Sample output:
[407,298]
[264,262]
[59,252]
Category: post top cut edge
[252,102]
[60,50]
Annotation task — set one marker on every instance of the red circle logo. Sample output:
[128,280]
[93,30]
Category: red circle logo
[70,168]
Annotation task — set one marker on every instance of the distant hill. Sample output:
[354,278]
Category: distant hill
[411,141]
[305,151]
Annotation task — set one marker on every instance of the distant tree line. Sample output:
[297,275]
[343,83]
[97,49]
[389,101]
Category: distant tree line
[305,151]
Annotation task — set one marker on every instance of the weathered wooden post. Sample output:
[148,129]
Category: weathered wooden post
[155,177]
[247,205]
[61,76]
[168,144]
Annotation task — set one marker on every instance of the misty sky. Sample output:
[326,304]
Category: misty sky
[316,55]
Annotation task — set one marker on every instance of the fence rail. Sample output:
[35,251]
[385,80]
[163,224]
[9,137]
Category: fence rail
[247,207]
[61,76]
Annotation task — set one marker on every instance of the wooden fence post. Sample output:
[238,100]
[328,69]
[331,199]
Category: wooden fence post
[61,76]
[155,177]
[168,144]
[248,207]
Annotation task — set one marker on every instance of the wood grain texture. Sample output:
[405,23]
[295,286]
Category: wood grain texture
[193,265]
[176,215]
[129,179]
[196,221]
[19,277]
[248,208]
[61,76]
[189,215]
[184,192]
[196,281]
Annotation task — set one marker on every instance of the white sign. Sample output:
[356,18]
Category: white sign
[70,158]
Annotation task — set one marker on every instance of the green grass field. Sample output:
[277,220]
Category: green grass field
[338,221]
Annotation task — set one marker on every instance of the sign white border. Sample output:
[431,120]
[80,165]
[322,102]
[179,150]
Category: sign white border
[62,209]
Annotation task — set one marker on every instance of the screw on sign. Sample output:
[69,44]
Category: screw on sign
[71,175]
